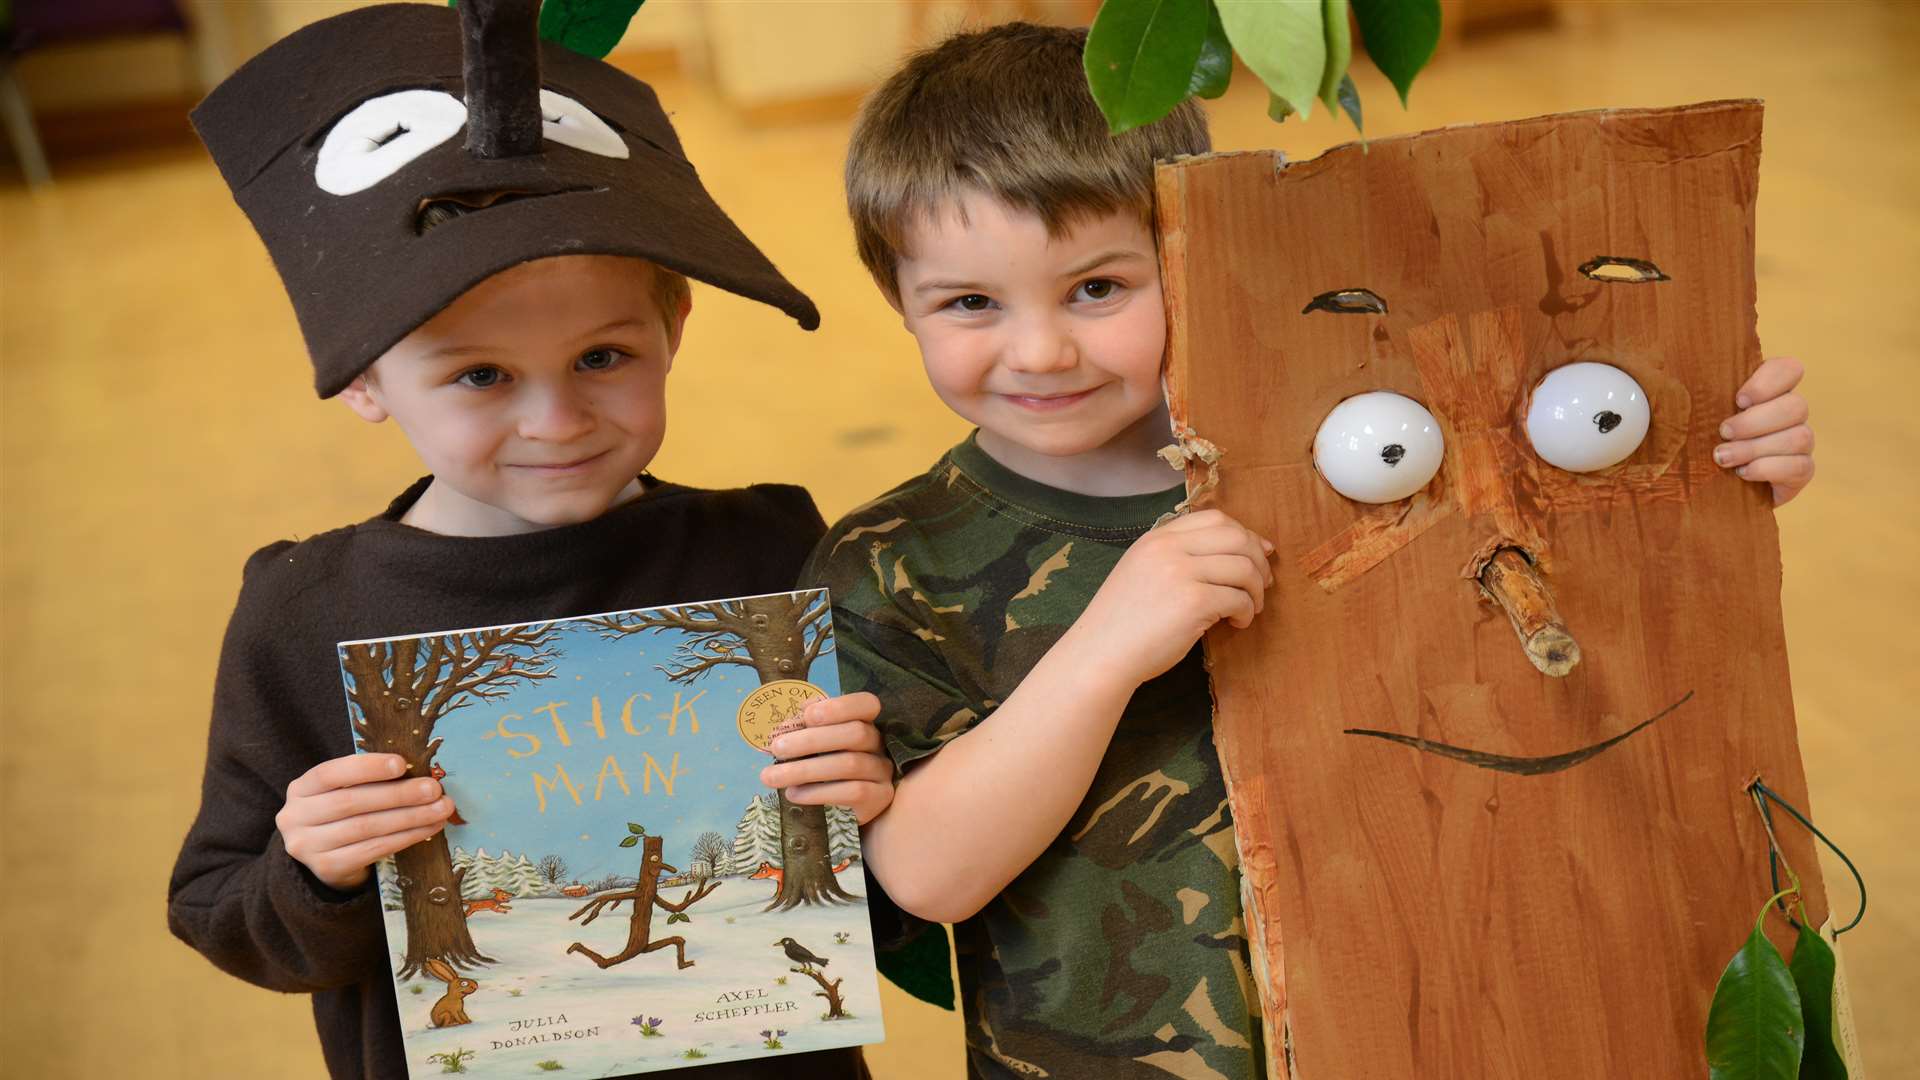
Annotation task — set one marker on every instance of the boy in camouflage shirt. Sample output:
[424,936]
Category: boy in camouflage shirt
[1031,635]
[1078,837]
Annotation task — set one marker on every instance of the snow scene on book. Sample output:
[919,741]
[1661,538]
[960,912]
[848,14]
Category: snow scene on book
[616,892]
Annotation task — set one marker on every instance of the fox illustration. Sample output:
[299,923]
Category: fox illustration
[779,876]
[498,903]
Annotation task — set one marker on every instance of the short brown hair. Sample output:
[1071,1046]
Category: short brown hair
[1005,112]
[670,290]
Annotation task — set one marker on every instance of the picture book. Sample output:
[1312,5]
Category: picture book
[616,892]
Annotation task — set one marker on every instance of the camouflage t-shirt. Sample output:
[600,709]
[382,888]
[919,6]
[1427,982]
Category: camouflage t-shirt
[1120,952]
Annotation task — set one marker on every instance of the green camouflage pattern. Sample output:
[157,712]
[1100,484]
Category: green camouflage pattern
[1121,951]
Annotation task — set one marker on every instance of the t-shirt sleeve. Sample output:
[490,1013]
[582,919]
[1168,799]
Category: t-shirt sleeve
[883,648]
[236,896]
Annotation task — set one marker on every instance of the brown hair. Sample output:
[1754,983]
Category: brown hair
[1004,112]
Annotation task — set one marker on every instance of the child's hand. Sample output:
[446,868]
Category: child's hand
[1170,587]
[835,758]
[344,815]
[1769,440]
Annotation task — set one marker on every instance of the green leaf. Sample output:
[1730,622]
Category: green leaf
[1284,43]
[678,916]
[1350,101]
[1339,50]
[629,841]
[588,27]
[1812,968]
[1277,108]
[637,830]
[1214,70]
[1140,58]
[1400,36]
[1754,1027]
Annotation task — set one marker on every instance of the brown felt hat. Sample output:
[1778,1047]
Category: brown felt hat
[336,138]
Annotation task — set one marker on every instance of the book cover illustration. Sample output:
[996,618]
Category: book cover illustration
[616,892]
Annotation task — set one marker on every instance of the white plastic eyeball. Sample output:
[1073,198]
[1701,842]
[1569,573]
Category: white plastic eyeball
[1378,447]
[570,123]
[381,135]
[1587,416]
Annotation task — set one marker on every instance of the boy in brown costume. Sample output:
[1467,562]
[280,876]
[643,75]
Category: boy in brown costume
[514,304]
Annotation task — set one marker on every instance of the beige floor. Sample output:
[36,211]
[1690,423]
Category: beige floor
[158,427]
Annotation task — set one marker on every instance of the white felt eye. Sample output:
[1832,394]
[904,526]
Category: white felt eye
[1587,416]
[383,134]
[570,123]
[1378,447]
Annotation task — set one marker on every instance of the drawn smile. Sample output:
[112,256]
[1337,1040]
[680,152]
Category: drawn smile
[1521,766]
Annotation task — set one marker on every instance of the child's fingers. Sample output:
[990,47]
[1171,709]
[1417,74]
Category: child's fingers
[852,735]
[822,768]
[1199,519]
[346,771]
[340,804]
[1227,540]
[1771,379]
[1794,440]
[343,862]
[1765,418]
[864,798]
[1787,473]
[862,706]
[1234,605]
[335,835]
[1238,572]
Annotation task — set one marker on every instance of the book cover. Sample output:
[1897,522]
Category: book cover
[616,892]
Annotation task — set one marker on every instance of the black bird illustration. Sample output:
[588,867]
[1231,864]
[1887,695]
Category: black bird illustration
[798,953]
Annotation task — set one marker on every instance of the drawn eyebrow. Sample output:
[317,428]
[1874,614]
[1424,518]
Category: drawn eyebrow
[1619,268]
[1347,302]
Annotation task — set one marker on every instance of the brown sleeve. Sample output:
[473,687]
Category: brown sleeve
[236,896]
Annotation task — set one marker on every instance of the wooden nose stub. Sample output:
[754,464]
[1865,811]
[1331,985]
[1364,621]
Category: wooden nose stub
[1510,579]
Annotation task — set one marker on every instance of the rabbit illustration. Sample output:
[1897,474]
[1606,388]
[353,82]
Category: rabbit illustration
[450,1011]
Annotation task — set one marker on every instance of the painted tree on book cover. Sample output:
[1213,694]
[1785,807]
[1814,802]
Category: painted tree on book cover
[779,637]
[399,691]
[757,838]
[710,854]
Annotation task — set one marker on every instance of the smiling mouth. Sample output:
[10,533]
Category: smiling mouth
[1047,402]
[1520,766]
[567,466]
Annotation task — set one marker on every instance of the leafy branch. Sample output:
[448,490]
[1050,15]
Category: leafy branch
[1771,1019]
[1144,57]
[588,27]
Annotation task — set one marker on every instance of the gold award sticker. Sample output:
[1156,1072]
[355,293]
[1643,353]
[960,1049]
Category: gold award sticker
[774,707]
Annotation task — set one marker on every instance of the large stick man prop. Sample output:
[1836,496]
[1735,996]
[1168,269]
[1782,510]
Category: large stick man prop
[1487,749]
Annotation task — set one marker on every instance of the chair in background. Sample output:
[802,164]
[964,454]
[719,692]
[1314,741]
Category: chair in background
[32,24]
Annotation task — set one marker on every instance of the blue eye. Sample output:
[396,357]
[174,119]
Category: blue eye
[481,378]
[600,359]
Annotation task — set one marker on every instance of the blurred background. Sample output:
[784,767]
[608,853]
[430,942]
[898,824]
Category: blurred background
[157,425]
